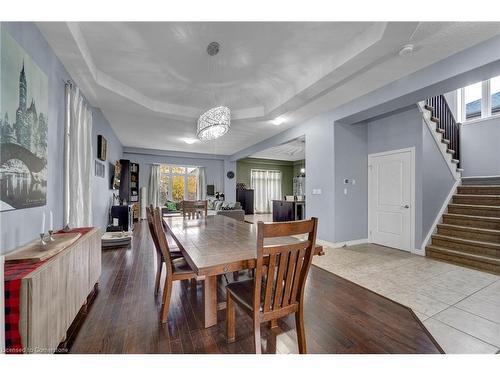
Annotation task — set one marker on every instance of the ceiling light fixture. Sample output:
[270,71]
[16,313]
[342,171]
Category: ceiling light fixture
[190,141]
[278,121]
[215,122]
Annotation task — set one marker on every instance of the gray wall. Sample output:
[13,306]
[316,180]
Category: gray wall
[214,164]
[480,148]
[437,181]
[101,193]
[351,162]
[399,130]
[21,226]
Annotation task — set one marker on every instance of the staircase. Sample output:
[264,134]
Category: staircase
[445,130]
[469,234]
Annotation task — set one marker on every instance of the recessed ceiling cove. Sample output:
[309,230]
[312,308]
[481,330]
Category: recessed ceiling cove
[152,80]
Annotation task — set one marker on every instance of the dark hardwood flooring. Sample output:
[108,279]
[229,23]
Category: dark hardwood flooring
[340,317]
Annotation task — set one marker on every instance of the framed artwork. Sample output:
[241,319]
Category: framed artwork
[100,170]
[23,128]
[102,148]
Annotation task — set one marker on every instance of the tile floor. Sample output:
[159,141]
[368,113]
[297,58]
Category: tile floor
[459,306]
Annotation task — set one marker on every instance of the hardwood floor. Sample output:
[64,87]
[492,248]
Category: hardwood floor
[340,317]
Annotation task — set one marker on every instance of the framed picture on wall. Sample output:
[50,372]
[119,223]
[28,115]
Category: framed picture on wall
[100,170]
[102,147]
[24,124]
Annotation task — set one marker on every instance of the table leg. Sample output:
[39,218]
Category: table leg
[210,302]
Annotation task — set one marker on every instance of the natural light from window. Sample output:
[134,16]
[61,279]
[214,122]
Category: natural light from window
[495,95]
[479,100]
[178,183]
[472,98]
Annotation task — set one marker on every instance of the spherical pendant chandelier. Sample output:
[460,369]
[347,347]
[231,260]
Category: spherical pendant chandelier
[215,122]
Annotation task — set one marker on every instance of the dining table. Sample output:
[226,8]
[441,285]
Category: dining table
[215,245]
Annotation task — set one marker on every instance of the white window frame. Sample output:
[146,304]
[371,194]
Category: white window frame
[485,104]
[172,174]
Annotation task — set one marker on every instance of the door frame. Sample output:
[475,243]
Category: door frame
[411,150]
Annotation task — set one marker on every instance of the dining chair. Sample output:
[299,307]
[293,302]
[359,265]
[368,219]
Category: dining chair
[277,289]
[194,209]
[177,269]
[174,253]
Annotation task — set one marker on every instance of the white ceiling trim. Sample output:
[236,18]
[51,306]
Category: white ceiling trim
[305,91]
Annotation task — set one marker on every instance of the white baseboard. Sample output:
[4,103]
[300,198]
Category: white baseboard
[420,252]
[336,245]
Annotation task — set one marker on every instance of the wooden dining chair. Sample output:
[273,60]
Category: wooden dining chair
[160,260]
[177,269]
[194,209]
[277,289]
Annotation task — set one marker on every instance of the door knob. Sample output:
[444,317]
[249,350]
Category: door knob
[406,206]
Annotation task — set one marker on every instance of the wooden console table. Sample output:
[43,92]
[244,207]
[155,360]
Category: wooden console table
[52,295]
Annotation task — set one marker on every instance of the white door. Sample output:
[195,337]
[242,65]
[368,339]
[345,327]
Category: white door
[391,198]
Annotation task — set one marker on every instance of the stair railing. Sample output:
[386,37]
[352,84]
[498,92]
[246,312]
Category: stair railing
[447,122]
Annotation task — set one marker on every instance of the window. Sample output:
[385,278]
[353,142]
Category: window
[479,100]
[178,183]
[472,100]
[495,95]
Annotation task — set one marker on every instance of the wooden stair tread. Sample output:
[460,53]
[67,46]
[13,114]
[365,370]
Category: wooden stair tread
[473,217]
[484,207]
[464,241]
[460,254]
[479,186]
[469,229]
[477,195]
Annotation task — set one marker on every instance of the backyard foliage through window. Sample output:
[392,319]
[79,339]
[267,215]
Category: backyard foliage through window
[178,183]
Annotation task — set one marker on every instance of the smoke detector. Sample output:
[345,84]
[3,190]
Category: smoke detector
[406,50]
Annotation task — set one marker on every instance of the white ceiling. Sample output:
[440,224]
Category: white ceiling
[153,80]
[290,151]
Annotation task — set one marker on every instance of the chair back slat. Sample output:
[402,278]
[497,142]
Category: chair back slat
[269,282]
[282,265]
[296,276]
[162,239]
[289,277]
[149,215]
[282,284]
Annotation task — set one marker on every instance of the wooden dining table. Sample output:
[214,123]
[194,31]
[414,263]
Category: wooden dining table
[215,245]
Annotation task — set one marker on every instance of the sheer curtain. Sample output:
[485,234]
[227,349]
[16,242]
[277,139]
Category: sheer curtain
[154,185]
[267,186]
[201,190]
[78,160]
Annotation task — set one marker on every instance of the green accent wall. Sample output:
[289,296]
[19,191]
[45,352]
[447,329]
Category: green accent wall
[244,167]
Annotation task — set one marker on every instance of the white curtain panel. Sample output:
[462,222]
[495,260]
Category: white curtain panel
[154,185]
[78,160]
[273,188]
[267,186]
[202,184]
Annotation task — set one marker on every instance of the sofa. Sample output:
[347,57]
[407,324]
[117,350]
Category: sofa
[225,208]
